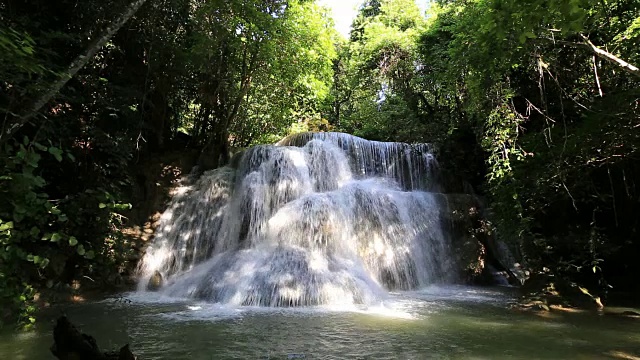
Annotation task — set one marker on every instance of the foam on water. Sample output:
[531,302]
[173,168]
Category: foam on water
[408,305]
[189,310]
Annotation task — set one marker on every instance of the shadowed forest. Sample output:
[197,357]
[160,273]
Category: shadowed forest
[534,107]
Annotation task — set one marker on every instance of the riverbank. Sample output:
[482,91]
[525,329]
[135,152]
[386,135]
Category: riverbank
[544,293]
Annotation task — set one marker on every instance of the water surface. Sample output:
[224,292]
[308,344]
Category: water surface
[435,323]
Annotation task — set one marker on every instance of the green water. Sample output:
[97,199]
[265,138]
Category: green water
[438,323]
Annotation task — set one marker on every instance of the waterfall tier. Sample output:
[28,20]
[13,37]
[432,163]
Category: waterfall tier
[319,218]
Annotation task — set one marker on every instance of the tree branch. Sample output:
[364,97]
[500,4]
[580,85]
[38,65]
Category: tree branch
[73,69]
[245,83]
[630,68]
[612,58]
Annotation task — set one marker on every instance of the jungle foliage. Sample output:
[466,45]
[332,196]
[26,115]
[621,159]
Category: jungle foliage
[534,104]
[134,78]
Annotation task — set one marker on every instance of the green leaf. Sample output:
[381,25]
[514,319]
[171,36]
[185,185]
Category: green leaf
[73,241]
[71,157]
[102,205]
[40,146]
[123,206]
[57,153]
[32,159]
[526,35]
[25,141]
[34,231]
[80,250]
[18,217]
[30,196]
[90,255]
[39,181]
[21,153]
[6,226]
[44,263]
[56,237]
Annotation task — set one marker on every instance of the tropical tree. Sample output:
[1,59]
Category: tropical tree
[535,82]
[375,93]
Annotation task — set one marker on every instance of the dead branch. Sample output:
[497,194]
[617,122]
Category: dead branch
[630,68]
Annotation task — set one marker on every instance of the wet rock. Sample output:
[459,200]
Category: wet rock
[71,344]
[155,282]
[551,290]
[481,257]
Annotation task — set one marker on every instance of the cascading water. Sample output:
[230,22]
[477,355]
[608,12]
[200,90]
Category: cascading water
[319,218]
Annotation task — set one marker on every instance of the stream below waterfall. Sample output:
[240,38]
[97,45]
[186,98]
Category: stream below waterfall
[435,323]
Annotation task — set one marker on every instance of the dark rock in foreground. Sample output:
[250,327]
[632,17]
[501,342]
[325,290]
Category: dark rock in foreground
[71,344]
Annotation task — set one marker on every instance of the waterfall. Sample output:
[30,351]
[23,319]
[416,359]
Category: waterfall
[318,218]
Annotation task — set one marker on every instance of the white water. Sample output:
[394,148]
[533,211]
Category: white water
[318,219]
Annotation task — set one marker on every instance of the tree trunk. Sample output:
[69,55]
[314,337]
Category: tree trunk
[216,152]
[73,69]
[157,117]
